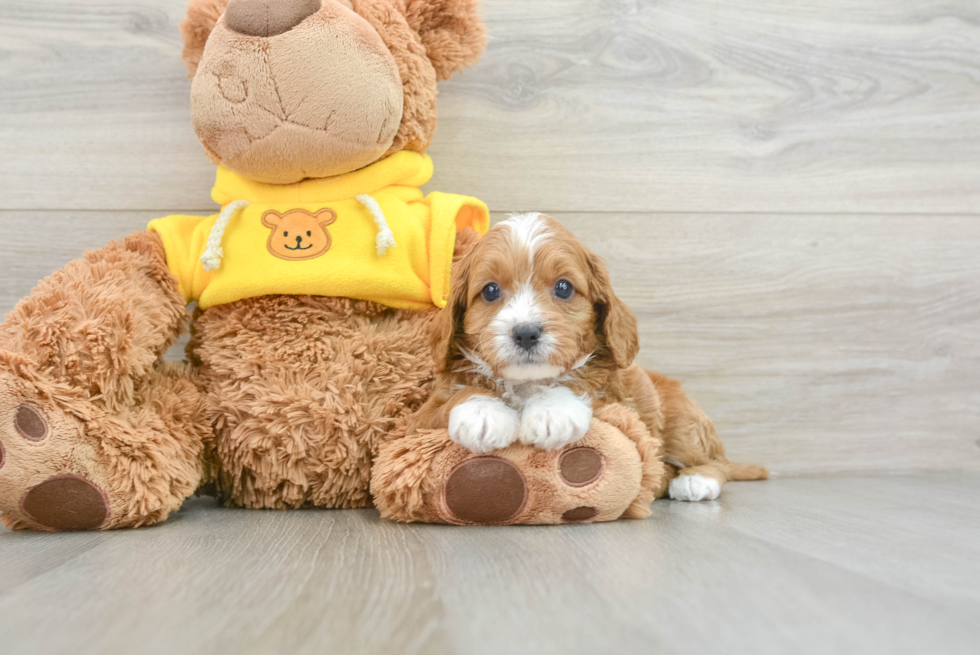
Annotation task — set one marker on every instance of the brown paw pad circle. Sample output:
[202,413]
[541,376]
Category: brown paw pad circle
[580,466]
[66,502]
[485,490]
[30,423]
[580,514]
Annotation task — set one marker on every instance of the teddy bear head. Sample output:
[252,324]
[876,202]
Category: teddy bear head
[285,90]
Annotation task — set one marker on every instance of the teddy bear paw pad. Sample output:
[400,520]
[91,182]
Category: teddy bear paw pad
[66,502]
[30,423]
[577,514]
[580,466]
[485,490]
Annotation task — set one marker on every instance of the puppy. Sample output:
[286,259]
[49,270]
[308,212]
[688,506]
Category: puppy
[533,339]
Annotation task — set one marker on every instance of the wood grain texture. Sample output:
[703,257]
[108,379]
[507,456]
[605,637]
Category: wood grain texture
[578,105]
[818,344]
[801,566]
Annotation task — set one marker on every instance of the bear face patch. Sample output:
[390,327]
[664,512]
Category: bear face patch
[299,234]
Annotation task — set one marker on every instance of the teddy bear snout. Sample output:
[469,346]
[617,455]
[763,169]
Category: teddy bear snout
[268,17]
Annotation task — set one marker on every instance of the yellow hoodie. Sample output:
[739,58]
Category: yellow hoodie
[369,235]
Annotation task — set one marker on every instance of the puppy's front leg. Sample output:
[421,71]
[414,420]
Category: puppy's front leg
[482,423]
[554,418]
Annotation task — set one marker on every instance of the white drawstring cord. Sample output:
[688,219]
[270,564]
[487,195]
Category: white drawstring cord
[385,238]
[213,253]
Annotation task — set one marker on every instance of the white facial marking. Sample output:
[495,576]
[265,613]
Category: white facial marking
[481,424]
[529,230]
[693,488]
[554,418]
[522,307]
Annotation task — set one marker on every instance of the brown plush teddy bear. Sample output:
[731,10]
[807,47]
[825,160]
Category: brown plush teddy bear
[316,285]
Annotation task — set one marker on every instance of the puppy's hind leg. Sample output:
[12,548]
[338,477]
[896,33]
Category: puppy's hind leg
[704,482]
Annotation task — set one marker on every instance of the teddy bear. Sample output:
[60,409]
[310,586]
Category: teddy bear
[316,284]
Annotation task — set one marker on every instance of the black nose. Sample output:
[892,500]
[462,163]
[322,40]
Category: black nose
[299,240]
[526,335]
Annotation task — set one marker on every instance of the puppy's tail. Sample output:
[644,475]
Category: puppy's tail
[736,471]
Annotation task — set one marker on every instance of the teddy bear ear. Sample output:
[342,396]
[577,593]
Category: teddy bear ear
[196,28]
[452,32]
[326,216]
[271,218]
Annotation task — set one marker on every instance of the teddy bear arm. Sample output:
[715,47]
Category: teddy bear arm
[101,322]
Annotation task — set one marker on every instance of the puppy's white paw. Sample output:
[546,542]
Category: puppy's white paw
[482,424]
[694,487]
[554,418]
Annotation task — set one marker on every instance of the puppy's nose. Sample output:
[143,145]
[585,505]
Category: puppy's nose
[268,17]
[526,335]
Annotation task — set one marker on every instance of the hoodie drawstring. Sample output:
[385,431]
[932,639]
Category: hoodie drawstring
[385,238]
[213,253]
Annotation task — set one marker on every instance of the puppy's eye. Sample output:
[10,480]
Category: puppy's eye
[491,292]
[564,289]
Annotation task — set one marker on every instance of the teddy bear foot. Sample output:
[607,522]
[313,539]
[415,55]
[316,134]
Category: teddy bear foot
[609,474]
[66,465]
[39,485]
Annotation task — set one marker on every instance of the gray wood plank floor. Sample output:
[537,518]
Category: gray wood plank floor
[845,564]
[788,194]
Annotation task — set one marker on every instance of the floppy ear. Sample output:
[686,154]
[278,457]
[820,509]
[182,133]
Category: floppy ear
[448,325]
[615,322]
[452,32]
[326,217]
[271,218]
[196,28]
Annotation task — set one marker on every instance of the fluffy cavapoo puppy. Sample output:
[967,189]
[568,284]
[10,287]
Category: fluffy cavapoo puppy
[534,339]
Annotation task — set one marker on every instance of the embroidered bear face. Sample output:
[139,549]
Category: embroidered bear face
[298,234]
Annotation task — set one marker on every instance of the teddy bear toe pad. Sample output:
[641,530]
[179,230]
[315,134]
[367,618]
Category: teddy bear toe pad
[580,466]
[30,423]
[583,513]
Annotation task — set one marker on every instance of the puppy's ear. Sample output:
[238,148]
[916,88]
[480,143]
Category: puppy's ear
[616,326]
[196,28]
[452,32]
[448,325]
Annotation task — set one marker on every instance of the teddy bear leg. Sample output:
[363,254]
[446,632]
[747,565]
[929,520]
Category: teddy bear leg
[97,432]
[610,473]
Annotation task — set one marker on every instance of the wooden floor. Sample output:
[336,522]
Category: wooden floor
[788,195]
[831,565]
